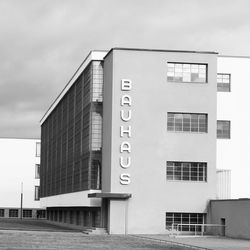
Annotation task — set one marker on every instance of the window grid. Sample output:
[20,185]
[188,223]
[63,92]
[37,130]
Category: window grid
[96,131]
[185,218]
[186,171]
[223,129]
[1,212]
[27,213]
[187,122]
[187,72]
[13,213]
[223,82]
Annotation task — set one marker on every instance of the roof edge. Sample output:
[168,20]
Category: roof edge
[161,50]
[90,57]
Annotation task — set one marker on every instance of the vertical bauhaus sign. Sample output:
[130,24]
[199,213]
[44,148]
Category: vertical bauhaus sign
[125,130]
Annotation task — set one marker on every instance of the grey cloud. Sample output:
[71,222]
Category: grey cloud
[43,42]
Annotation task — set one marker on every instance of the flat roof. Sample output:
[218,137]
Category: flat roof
[162,50]
[239,199]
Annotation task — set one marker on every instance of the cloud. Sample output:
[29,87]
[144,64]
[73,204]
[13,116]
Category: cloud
[43,42]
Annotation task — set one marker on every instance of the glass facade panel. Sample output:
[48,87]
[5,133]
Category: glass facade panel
[187,72]
[185,122]
[186,171]
[223,82]
[223,129]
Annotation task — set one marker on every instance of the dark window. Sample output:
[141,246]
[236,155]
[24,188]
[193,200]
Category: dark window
[37,171]
[187,122]
[187,72]
[13,213]
[185,218]
[1,212]
[223,82]
[186,171]
[37,193]
[27,213]
[223,129]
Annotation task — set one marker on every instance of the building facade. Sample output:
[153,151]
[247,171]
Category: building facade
[232,114]
[20,161]
[130,143]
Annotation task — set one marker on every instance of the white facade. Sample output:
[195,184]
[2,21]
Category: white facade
[18,162]
[234,106]
[223,184]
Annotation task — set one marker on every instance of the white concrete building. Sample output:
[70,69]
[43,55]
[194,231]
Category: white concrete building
[233,116]
[20,166]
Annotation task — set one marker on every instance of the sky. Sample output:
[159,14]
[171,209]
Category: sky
[43,42]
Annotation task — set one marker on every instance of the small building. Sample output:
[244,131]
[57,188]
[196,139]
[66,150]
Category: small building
[20,164]
[232,215]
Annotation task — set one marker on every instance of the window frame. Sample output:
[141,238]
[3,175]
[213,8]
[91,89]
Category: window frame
[188,63]
[192,124]
[229,134]
[229,88]
[37,171]
[183,174]
[37,193]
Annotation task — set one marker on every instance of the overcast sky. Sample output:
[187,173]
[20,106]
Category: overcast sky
[44,41]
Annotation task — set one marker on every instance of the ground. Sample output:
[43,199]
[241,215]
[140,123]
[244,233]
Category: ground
[36,234]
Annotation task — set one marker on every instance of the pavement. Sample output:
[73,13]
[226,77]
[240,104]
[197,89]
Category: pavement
[39,234]
[206,242]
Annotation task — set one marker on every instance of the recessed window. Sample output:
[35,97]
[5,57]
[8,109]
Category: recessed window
[223,82]
[13,213]
[186,122]
[37,171]
[186,171]
[187,72]
[223,129]
[1,212]
[38,149]
[37,193]
[27,213]
[185,218]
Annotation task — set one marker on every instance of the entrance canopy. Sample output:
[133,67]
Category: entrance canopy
[118,196]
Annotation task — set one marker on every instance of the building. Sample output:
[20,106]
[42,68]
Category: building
[20,162]
[233,215]
[233,119]
[223,184]
[130,143]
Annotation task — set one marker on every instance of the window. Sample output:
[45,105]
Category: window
[1,212]
[37,193]
[27,213]
[223,129]
[187,72]
[13,213]
[223,82]
[184,122]
[186,171]
[38,149]
[185,218]
[37,171]
[96,131]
